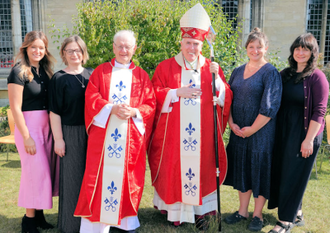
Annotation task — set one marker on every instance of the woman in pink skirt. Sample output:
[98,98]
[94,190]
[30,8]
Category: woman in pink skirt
[28,91]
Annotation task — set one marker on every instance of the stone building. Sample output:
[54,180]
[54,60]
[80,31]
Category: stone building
[281,20]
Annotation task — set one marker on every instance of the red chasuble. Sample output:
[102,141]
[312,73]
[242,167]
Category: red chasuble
[164,148]
[96,97]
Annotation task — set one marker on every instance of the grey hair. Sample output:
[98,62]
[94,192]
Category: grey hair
[128,33]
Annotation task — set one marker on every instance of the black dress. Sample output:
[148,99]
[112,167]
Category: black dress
[67,99]
[290,171]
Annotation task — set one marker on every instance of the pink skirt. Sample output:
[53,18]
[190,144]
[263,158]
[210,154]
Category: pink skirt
[37,171]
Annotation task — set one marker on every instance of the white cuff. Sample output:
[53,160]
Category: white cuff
[101,119]
[138,121]
[220,86]
[171,97]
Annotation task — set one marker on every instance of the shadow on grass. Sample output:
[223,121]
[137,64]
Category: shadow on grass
[153,221]
[11,225]
[12,164]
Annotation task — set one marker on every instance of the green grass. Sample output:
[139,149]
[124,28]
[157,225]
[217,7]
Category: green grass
[315,205]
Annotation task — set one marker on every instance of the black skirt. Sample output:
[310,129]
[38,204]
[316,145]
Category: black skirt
[72,167]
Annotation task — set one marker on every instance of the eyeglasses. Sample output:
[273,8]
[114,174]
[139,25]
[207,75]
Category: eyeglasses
[71,51]
[124,47]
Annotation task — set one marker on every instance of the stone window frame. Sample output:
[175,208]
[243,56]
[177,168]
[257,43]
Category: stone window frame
[37,7]
[318,23]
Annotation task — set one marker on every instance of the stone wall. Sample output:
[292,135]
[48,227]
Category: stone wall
[283,22]
[61,11]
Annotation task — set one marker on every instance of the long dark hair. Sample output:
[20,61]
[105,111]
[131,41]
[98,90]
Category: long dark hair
[306,40]
[47,62]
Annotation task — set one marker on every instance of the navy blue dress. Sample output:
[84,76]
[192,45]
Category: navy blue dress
[249,159]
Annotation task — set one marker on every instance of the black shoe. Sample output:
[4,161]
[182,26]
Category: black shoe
[283,228]
[299,221]
[256,224]
[41,221]
[201,224]
[234,218]
[29,225]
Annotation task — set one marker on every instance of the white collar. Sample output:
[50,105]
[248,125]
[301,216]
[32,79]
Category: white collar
[123,66]
[179,59]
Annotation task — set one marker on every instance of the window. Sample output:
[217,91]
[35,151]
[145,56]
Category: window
[230,9]
[6,40]
[314,24]
[6,45]
[26,16]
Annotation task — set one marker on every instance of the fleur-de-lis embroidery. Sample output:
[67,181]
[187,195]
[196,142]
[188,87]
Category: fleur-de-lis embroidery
[190,174]
[112,188]
[190,129]
[192,86]
[116,135]
[121,86]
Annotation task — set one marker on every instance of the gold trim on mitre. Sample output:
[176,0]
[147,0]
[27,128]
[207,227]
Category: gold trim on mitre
[195,23]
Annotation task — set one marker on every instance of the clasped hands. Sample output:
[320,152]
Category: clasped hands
[123,111]
[242,132]
[190,92]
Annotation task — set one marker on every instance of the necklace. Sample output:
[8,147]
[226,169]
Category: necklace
[81,82]
[254,69]
[36,71]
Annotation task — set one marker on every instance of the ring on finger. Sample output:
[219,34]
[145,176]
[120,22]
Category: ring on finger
[193,94]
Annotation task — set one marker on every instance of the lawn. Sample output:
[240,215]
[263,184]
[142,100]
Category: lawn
[315,205]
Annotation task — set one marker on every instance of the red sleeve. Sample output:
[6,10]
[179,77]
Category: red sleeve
[97,94]
[148,105]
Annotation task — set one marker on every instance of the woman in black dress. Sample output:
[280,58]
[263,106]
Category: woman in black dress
[299,131]
[66,105]
[27,91]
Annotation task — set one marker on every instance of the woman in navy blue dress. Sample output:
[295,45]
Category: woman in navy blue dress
[299,132]
[257,92]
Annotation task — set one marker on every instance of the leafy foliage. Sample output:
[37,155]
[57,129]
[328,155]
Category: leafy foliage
[157,27]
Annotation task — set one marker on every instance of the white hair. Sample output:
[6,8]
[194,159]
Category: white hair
[125,33]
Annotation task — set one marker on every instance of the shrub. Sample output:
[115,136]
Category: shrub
[156,25]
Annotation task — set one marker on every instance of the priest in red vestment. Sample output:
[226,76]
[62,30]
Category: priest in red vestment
[119,112]
[181,153]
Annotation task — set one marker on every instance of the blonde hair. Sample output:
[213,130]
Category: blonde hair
[47,62]
[257,34]
[81,44]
